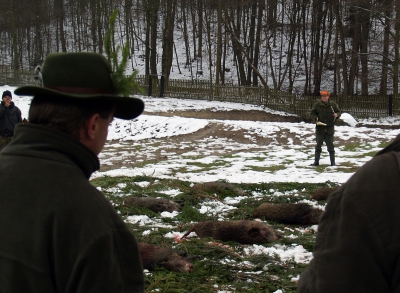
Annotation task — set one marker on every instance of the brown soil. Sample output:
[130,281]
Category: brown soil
[251,115]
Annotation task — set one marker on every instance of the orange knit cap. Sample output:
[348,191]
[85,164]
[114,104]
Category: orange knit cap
[324,93]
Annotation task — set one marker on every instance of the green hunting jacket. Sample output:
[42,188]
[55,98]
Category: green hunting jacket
[324,113]
[358,242]
[58,232]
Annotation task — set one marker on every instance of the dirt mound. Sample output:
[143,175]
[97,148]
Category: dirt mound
[251,115]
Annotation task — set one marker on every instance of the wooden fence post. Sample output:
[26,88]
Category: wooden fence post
[150,88]
[390,105]
[162,83]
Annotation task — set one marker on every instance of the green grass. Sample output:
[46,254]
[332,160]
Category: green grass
[271,169]
[209,166]
[216,267]
[368,154]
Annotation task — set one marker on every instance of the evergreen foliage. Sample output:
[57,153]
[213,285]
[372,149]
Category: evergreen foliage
[124,84]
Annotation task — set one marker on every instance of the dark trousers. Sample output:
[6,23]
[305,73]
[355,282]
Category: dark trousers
[5,140]
[328,141]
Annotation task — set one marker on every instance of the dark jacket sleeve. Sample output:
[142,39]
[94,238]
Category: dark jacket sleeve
[111,263]
[2,111]
[336,109]
[357,246]
[314,113]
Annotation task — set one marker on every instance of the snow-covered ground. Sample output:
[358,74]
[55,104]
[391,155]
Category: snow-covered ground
[249,162]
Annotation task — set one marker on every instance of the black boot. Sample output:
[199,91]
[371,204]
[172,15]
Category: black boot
[332,156]
[316,160]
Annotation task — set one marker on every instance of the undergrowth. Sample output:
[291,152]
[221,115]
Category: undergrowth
[218,266]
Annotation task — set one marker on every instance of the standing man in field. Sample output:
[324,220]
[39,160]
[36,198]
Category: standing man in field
[324,114]
[10,115]
[59,233]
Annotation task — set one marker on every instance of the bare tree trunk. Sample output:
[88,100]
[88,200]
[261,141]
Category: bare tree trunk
[93,30]
[147,42]
[210,53]
[194,28]
[100,24]
[235,32]
[14,35]
[257,45]
[307,87]
[294,32]
[200,32]
[251,41]
[342,47]
[364,37]
[153,32]
[396,62]
[168,38]
[318,30]
[219,45]
[385,52]
[185,33]
[59,15]
[354,31]
[272,14]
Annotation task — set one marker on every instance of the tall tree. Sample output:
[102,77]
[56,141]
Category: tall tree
[396,62]
[219,44]
[386,11]
[365,19]
[14,34]
[151,8]
[168,37]
[59,16]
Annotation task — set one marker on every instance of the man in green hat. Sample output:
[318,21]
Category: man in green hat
[59,233]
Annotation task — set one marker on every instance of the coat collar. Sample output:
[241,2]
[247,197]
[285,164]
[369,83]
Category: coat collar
[45,143]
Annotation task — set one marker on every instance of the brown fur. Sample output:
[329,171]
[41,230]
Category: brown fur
[322,193]
[166,257]
[244,232]
[154,204]
[289,213]
[216,187]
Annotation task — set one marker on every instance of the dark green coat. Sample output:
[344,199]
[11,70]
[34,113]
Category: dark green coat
[324,113]
[59,233]
[358,242]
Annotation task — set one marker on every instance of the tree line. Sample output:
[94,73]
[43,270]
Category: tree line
[294,46]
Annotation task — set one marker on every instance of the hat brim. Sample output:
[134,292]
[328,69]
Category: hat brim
[125,107]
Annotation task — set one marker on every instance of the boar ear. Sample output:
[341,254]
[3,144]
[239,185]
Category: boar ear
[254,232]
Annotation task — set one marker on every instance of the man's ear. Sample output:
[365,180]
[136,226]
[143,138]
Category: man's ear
[90,127]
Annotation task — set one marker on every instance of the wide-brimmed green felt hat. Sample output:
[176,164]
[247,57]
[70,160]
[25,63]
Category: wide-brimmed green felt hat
[82,76]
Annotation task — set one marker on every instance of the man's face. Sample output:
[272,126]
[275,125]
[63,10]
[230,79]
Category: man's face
[101,137]
[7,100]
[324,98]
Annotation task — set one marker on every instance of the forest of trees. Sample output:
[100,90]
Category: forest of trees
[290,45]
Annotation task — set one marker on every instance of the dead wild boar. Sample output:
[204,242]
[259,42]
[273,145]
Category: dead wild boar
[170,259]
[322,193]
[154,204]
[216,187]
[241,231]
[289,213]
